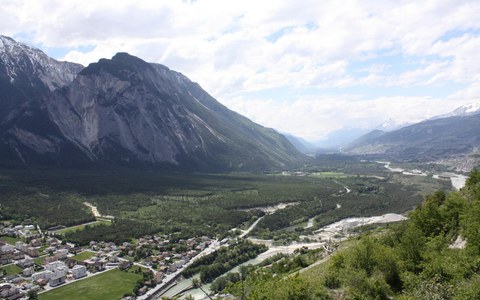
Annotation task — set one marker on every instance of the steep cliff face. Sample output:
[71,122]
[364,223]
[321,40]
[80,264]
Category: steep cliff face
[118,111]
[27,78]
[126,111]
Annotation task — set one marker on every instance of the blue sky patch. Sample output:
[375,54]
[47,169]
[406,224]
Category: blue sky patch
[456,33]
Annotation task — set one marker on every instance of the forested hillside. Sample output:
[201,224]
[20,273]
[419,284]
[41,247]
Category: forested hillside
[433,255]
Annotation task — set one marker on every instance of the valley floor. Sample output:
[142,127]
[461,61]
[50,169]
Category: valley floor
[287,212]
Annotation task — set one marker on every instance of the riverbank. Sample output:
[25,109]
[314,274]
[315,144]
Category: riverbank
[457,180]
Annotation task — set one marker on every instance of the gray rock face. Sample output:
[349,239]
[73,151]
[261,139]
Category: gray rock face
[101,112]
[127,111]
[27,78]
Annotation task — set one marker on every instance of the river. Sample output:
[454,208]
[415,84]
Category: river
[326,233]
[198,294]
[331,231]
[457,180]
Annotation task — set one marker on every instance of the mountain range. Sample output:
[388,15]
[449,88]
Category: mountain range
[342,137]
[462,111]
[440,137]
[123,111]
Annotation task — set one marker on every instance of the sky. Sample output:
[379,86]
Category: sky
[307,67]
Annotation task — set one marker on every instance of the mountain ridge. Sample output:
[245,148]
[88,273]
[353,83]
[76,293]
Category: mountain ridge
[125,111]
[464,110]
[428,140]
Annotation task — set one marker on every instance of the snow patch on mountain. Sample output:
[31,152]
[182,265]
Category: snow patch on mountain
[19,58]
[464,110]
[472,108]
[390,125]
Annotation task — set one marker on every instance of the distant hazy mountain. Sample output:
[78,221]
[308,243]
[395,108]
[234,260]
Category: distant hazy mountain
[123,111]
[427,140]
[341,137]
[299,143]
[462,111]
[390,125]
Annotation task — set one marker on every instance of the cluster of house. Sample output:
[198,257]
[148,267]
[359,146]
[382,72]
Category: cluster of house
[165,256]
[55,273]
[27,231]
[10,253]
[48,270]
[56,265]
[10,292]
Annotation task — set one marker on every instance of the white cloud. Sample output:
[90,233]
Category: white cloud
[236,49]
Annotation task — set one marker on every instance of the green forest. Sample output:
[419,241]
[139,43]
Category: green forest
[185,205]
[224,259]
[435,254]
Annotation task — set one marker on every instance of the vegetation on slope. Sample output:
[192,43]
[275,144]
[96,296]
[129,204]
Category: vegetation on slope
[429,140]
[416,259]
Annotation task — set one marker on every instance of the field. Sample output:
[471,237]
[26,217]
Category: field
[81,227]
[40,260]
[12,269]
[10,240]
[83,256]
[110,285]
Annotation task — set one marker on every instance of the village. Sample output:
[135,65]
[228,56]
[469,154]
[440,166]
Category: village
[33,262]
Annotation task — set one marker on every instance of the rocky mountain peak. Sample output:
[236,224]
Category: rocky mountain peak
[465,110]
[124,111]
[118,66]
[462,111]
[23,63]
